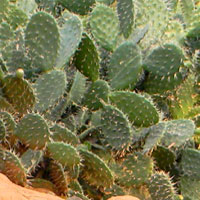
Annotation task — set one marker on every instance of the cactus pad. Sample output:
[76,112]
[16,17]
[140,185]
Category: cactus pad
[190,188]
[125,66]
[42,40]
[190,163]
[95,171]
[81,7]
[161,187]
[70,37]
[164,64]
[58,177]
[63,153]
[126,16]
[177,132]
[116,128]
[136,169]
[12,167]
[86,58]
[33,131]
[140,111]
[78,88]
[19,93]
[101,20]
[49,87]
[30,159]
[98,90]
[62,134]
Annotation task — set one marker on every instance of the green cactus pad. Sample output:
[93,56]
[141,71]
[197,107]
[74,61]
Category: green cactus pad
[161,187]
[187,8]
[2,130]
[98,90]
[27,6]
[115,190]
[177,132]
[30,159]
[96,118]
[19,94]
[86,58]
[101,20]
[3,9]
[49,88]
[11,166]
[42,40]
[125,66]
[5,105]
[78,194]
[155,134]
[62,134]
[58,178]
[81,7]
[190,163]
[182,101]
[163,157]
[156,15]
[126,16]
[75,186]
[70,37]
[140,111]
[164,65]
[95,171]
[47,5]
[42,183]
[78,88]
[116,128]
[106,2]
[16,17]
[163,84]
[6,33]
[165,60]
[33,131]
[72,172]
[10,126]
[192,39]
[136,169]
[63,153]
[190,188]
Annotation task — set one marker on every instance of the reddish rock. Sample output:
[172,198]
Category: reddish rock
[11,191]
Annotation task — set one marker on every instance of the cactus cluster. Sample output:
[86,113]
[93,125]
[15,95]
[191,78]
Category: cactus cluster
[100,98]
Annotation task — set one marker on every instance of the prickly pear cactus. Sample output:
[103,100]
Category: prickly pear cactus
[97,97]
[42,40]
[33,131]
